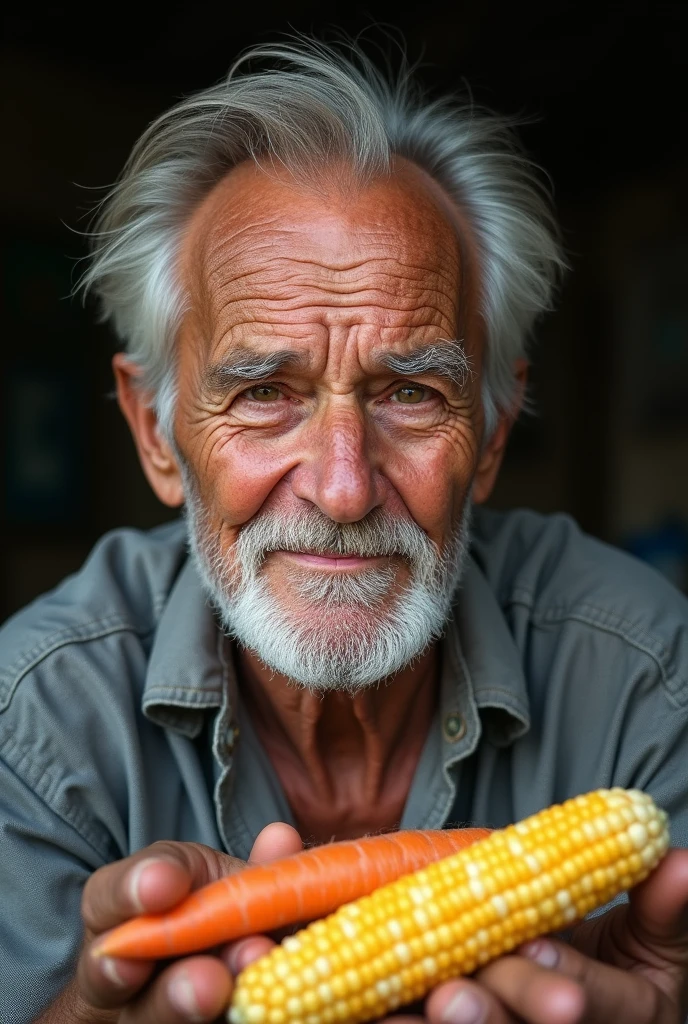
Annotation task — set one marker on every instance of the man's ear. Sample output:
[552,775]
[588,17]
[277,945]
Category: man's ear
[155,454]
[493,452]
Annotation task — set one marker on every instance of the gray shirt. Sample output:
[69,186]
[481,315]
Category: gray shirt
[564,668]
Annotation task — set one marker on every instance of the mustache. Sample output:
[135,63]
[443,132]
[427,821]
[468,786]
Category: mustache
[372,637]
[311,531]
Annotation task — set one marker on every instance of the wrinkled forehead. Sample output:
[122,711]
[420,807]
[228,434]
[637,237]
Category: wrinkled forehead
[255,221]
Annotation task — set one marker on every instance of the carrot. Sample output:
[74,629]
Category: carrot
[291,890]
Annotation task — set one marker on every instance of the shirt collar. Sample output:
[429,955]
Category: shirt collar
[482,690]
[481,667]
[185,667]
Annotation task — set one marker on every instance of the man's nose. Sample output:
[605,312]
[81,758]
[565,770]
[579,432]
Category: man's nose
[337,473]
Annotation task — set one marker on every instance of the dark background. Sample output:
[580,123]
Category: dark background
[604,89]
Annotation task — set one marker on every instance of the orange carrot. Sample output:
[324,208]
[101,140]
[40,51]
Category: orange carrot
[292,890]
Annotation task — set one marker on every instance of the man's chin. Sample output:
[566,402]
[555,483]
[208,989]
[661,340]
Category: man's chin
[335,616]
[325,647]
[345,660]
[353,595]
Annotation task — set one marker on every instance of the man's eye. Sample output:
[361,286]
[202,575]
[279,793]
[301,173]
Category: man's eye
[264,393]
[410,394]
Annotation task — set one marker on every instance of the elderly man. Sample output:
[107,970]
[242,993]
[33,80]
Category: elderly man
[324,286]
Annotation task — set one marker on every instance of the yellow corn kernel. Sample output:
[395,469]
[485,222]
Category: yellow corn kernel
[523,881]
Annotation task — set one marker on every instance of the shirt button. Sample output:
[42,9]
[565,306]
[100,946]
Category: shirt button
[454,726]
[230,738]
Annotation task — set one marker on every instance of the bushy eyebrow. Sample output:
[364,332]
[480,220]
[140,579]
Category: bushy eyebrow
[243,365]
[447,359]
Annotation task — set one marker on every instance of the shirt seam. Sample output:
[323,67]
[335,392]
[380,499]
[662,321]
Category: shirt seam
[165,691]
[615,625]
[96,630]
[41,788]
[486,694]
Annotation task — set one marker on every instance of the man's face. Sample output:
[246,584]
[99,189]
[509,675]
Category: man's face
[335,480]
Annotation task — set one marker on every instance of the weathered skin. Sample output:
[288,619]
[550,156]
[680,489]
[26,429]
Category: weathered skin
[337,280]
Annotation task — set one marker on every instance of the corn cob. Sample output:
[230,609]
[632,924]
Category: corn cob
[390,948]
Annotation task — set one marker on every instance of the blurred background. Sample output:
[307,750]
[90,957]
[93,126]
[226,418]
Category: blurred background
[604,89]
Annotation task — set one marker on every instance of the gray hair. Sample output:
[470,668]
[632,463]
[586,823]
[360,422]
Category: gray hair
[314,104]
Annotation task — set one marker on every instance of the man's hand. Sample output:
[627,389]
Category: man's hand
[195,988]
[629,966]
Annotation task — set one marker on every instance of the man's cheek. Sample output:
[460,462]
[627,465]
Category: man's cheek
[433,491]
[238,488]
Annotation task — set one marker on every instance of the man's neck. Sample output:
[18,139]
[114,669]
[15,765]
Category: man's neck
[345,762]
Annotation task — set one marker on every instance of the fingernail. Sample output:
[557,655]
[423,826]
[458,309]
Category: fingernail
[235,960]
[543,953]
[134,882]
[109,969]
[465,1008]
[183,997]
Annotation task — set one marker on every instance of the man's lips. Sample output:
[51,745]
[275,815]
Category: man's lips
[334,561]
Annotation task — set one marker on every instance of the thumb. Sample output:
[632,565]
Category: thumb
[658,908]
[275,841]
[651,929]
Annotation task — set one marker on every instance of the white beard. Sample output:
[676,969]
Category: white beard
[350,640]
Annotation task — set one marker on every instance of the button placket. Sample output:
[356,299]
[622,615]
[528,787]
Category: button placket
[229,738]
[224,742]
